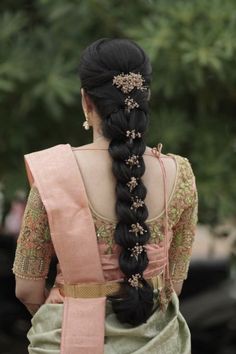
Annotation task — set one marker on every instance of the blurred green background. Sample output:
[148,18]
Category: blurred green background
[192,47]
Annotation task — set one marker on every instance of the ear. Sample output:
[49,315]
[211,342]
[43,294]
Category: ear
[86,101]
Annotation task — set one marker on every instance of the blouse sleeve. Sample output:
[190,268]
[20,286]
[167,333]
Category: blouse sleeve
[184,232]
[34,246]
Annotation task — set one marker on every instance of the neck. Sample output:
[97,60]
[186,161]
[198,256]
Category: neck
[99,140]
[97,137]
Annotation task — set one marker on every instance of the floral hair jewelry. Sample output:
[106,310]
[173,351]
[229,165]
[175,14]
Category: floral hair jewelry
[137,229]
[132,134]
[137,250]
[133,160]
[137,203]
[127,82]
[132,183]
[131,103]
[135,281]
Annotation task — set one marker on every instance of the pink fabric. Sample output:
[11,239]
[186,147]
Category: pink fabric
[60,185]
[58,179]
[156,254]
[85,332]
[62,191]
[110,262]
[157,153]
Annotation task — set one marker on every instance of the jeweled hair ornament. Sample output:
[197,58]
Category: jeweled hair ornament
[132,134]
[135,281]
[137,250]
[131,103]
[127,82]
[133,160]
[137,203]
[132,183]
[137,229]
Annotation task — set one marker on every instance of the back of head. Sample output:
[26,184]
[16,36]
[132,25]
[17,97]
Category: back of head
[116,74]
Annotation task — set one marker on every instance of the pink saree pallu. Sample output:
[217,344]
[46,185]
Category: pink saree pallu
[56,174]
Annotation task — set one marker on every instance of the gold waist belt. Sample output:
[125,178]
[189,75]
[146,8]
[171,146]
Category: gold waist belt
[94,290]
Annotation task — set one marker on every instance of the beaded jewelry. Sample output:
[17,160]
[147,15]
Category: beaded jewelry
[127,82]
[132,183]
[131,103]
[137,229]
[132,161]
[134,281]
[137,203]
[137,250]
[132,134]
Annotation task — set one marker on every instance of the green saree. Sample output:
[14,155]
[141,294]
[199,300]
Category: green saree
[163,333]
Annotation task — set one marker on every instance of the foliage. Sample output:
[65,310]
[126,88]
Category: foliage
[192,48]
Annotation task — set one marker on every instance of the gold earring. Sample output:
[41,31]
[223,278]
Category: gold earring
[86,123]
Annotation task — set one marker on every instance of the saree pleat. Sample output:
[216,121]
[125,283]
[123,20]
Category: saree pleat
[163,333]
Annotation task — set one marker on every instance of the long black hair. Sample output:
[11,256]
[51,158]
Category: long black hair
[99,64]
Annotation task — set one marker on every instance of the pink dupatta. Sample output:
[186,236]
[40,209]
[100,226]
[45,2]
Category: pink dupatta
[58,179]
[55,173]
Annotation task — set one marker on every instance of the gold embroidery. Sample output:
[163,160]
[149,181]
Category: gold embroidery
[156,230]
[181,245]
[34,247]
[105,231]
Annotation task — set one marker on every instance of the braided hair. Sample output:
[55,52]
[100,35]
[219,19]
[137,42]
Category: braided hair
[116,74]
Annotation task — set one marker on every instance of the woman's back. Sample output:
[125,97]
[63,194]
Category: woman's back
[95,167]
[176,172]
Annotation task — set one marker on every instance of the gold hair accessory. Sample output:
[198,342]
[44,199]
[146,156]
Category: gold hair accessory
[135,281]
[137,229]
[137,250]
[133,160]
[131,103]
[137,202]
[127,82]
[132,134]
[132,183]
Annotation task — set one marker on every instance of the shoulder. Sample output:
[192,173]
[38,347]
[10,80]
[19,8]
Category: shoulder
[183,163]
[186,181]
[49,150]
[45,163]
[83,147]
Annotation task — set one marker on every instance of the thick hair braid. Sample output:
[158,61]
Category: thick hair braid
[137,304]
[134,305]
